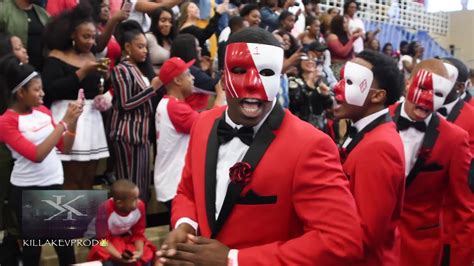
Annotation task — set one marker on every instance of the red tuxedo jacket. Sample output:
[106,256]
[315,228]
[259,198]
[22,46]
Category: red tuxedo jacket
[468,99]
[440,172]
[297,208]
[461,115]
[375,167]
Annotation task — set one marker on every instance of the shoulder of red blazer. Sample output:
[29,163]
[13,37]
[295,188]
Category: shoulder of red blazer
[450,132]
[212,114]
[299,133]
[387,131]
[467,114]
[392,108]
[385,134]
[205,120]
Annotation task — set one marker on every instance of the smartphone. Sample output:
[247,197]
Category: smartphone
[80,96]
[105,63]
[127,254]
[127,6]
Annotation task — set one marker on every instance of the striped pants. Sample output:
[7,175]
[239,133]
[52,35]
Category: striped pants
[132,162]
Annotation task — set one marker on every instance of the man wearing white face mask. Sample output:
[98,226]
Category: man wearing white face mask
[369,84]
[267,188]
[460,113]
[437,161]
[454,109]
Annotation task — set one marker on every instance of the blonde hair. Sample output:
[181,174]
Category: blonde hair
[325,20]
[183,14]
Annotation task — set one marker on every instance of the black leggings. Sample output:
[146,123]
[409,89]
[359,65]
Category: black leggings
[31,255]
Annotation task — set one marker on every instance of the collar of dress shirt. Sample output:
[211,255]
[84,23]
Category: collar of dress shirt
[255,128]
[449,106]
[368,119]
[404,114]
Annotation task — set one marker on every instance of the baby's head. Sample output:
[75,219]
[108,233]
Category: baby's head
[125,195]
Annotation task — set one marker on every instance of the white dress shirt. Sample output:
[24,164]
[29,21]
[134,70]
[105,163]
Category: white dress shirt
[229,153]
[412,140]
[362,123]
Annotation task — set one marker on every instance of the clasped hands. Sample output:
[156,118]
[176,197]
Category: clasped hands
[181,247]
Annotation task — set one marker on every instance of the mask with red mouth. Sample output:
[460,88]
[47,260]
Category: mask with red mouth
[429,90]
[252,70]
[354,85]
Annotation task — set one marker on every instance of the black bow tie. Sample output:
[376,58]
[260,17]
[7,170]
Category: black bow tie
[225,133]
[443,111]
[351,131]
[404,124]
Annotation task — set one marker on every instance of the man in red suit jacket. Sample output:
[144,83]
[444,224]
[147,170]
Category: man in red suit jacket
[460,113]
[278,199]
[373,156]
[467,97]
[464,88]
[437,159]
[454,109]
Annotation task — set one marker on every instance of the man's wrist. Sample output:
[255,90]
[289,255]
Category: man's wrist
[187,228]
[188,221]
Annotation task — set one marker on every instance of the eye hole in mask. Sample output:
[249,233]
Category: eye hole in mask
[267,72]
[239,70]
[439,94]
[349,82]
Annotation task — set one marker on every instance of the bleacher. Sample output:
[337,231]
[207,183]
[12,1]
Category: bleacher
[403,21]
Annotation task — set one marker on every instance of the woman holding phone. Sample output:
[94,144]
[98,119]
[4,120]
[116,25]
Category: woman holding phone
[70,66]
[33,138]
[132,109]
[105,25]
[309,94]
[190,15]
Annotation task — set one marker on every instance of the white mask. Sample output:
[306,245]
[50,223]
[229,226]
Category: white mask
[354,85]
[452,72]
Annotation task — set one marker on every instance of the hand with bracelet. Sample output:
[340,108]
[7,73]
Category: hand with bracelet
[69,120]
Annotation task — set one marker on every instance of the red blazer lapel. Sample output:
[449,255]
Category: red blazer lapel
[431,135]
[360,135]
[210,174]
[257,149]
[455,112]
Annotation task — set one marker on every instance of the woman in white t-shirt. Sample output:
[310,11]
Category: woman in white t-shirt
[28,130]
[410,60]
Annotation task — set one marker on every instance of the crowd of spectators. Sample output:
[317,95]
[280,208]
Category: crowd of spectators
[113,51]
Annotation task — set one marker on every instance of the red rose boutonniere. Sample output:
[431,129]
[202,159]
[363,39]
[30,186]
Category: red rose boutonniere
[240,173]
[424,154]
